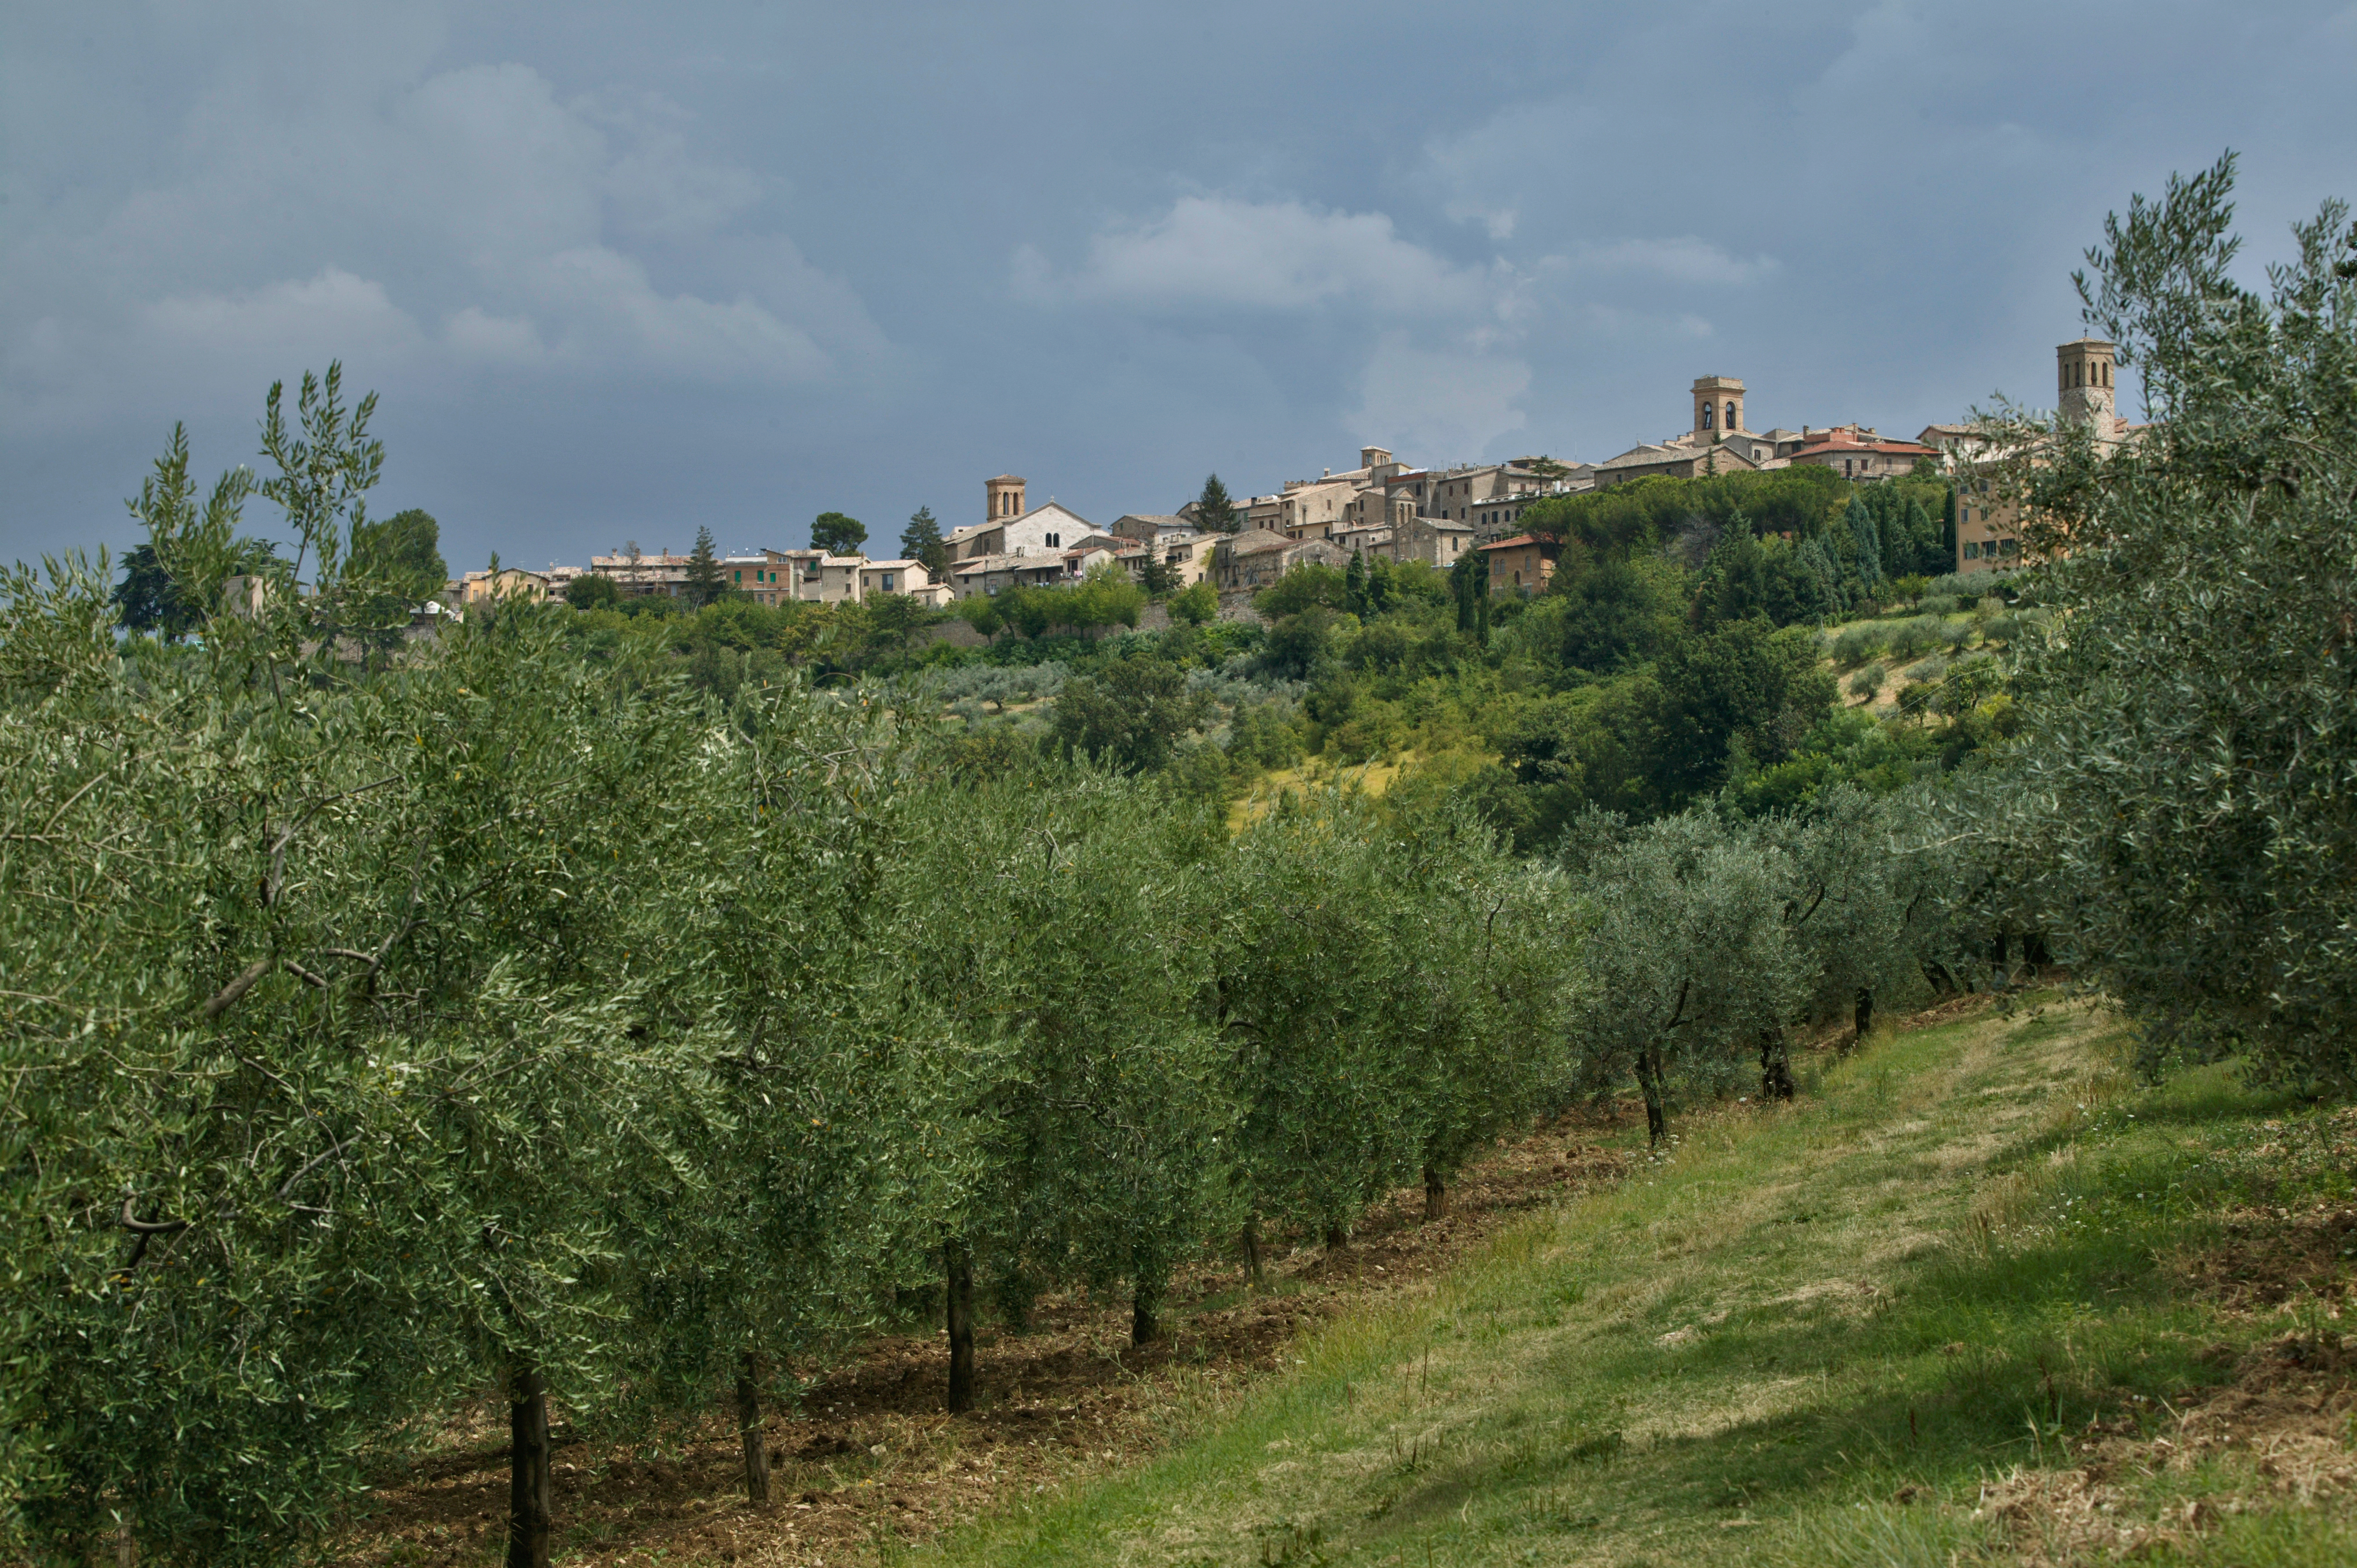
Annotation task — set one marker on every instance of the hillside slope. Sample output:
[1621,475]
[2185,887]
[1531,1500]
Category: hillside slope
[1974,1297]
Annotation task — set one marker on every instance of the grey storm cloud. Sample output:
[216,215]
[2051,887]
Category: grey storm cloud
[627,271]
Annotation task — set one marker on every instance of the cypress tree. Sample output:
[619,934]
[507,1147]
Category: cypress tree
[1215,510]
[703,584]
[921,541]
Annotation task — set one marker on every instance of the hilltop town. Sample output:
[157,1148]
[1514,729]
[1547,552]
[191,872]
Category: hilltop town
[1381,507]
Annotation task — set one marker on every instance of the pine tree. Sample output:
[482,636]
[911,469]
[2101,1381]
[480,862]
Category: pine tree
[921,541]
[703,584]
[1354,585]
[837,534]
[1215,510]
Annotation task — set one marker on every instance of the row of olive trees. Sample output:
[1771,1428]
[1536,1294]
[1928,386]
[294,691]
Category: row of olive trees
[383,1035]
[1707,938]
[380,1035]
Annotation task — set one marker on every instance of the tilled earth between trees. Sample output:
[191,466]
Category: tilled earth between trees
[871,1455]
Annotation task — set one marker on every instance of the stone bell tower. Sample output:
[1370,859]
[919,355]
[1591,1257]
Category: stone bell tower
[2083,378]
[1006,494]
[1718,407]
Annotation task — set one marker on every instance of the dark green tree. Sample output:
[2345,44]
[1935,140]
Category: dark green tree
[1468,583]
[837,534]
[405,552]
[592,591]
[1128,717]
[921,541]
[146,599]
[704,584]
[1215,511]
[1742,684]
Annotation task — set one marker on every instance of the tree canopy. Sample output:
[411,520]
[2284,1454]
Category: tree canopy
[837,534]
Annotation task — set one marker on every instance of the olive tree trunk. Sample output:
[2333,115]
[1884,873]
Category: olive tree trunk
[1862,1016]
[748,1429]
[1251,1238]
[531,1501]
[959,1269]
[1435,1195]
[1649,1083]
[1775,1065]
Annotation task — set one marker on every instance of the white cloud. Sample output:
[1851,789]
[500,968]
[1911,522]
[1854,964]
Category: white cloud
[614,311]
[347,313]
[1447,404]
[475,198]
[1687,260]
[476,334]
[1278,256]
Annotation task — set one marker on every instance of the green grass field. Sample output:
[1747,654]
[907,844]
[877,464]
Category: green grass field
[1976,1297]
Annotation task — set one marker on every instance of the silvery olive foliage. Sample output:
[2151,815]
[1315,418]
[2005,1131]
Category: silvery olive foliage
[2181,803]
[391,1026]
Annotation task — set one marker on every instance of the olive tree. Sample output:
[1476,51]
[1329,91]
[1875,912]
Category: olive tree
[2177,801]
[1688,957]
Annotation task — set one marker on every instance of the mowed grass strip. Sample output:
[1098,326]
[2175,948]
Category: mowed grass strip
[1841,1331]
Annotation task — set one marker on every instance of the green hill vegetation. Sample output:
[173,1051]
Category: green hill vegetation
[605,1021]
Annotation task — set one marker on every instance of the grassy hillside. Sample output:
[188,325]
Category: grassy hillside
[1976,1298]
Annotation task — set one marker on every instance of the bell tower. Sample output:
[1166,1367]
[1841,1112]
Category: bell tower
[1717,407]
[1006,494]
[2082,372]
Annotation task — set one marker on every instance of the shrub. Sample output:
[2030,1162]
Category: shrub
[1868,683]
[1860,641]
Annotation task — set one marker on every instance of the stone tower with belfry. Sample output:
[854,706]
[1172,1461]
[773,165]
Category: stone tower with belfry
[2082,373]
[1718,407]
[1006,494]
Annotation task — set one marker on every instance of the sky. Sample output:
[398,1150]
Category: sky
[621,272]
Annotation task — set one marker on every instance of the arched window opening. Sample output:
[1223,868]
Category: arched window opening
[1706,416]
[1731,421]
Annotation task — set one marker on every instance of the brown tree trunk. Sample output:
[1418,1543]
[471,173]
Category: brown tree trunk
[1336,1239]
[1862,1016]
[531,1501]
[1252,1249]
[961,1326]
[1141,1319]
[1436,1196]
[1775,1065]
[1649,1082]
[748,1429]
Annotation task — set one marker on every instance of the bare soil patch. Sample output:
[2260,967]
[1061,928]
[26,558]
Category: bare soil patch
[2281,1431]
[872,1455]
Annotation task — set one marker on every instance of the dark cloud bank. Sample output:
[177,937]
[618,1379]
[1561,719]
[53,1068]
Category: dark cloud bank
[620,272]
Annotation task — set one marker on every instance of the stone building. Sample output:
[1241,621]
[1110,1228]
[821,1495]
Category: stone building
[1860,453]
[1256,558]
[1523,565]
